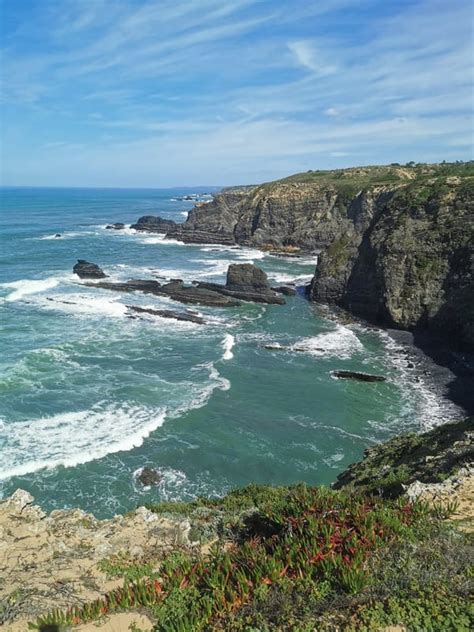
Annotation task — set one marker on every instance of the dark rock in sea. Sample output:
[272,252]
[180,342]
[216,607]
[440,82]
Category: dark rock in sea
[57,236]
[285,289]
[175,290]
[246,276]
[361,377]
[86,270]
[154,224]
[116,226]
[246,282]
[149,476]
[167,313]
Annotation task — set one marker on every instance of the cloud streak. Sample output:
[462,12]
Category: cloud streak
[163,93]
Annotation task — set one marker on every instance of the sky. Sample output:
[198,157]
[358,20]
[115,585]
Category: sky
[162,93]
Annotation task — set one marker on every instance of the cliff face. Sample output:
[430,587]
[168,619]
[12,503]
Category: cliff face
[305,214]
[411,265]
[396,242]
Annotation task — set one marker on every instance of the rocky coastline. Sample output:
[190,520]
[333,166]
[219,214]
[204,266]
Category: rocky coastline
[395,243]
[395,248]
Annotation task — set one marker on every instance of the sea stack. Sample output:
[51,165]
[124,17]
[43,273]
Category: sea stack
[86,270]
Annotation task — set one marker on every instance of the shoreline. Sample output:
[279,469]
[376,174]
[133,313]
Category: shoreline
[447,373]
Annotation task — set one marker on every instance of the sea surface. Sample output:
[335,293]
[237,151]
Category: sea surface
[88,396]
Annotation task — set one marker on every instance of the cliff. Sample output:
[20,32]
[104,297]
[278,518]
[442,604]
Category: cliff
[410,262]
[396,242]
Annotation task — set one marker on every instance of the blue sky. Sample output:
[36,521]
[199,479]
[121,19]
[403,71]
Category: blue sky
[165,93]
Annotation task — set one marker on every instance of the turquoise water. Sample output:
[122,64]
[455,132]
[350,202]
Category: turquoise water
[89,396]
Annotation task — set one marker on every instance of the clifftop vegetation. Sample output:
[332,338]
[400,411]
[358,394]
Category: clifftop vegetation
[303,559]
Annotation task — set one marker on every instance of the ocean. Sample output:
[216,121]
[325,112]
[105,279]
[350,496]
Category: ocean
[89,396]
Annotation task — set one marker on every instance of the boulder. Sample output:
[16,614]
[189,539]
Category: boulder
[361,377]
[149,476]
[247,282]
[57,236]
[86,270]
[154,224]
[246,276]
[116,226]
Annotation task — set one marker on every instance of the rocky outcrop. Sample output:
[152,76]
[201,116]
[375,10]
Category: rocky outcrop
[52,560]
[248,283]
[244,282]
[149,476]
[176,290]
[115,226]
[189,317]
[360,377]
[154,224]
[277,215]
[86,270]
[388,469]
[409,261]
[396,242]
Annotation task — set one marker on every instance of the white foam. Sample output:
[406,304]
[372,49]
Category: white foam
[282,277]
[306,261]
[227,345]
[84,304]
[160,239]
[72,438]
[342,342]
[26,287]
[432,409]
[249,254]
[184,213]
[67,234]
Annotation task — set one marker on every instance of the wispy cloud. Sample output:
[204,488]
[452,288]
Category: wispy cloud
[163,92]
[311,57]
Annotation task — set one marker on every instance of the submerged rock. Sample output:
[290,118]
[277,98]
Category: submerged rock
[116,226]
[154,224]
[167,313]
[86,270]
[149,476]
[355,375]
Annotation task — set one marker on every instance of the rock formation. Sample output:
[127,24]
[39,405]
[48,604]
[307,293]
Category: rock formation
[246,282]
[361,377]
[396,242]
[115,226]
[176,290]
[409,262]
[154,224]
[51,560]
[187,316]
[149,476]
[86,270]
[429,458]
